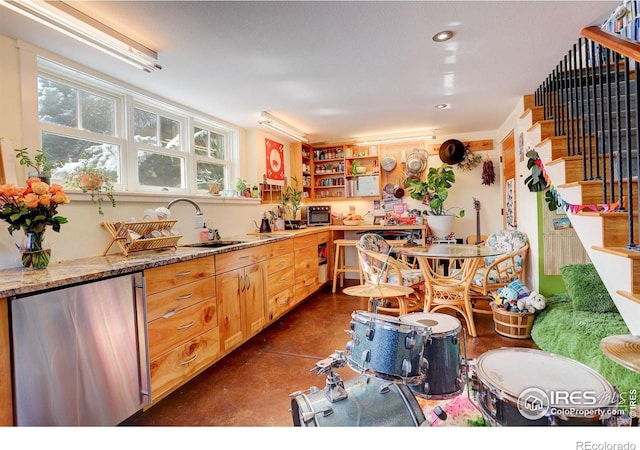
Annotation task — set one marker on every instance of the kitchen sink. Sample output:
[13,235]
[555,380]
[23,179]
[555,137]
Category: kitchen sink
[214,244]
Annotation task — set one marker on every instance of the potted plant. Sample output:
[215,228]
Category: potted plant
[241,186]
[40,163]
[291,199]
[433,193]
[98,182]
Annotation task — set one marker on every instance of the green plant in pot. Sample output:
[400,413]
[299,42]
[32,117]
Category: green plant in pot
[433,192]
[40,163]
[291,199]
[98,182]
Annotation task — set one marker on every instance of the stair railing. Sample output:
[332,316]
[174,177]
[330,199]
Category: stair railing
[592,97]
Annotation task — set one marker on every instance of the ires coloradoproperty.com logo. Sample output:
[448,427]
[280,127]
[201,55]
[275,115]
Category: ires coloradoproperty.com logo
[535,403]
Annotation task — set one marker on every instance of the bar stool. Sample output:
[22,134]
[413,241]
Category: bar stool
[339,267]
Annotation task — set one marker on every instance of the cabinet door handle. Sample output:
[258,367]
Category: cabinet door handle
[186,325]
[189,361]
[169,314]
[183,274]
[240,283]
[247,281]
[184,297]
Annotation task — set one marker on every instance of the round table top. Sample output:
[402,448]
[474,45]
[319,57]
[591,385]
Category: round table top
[448,251]
[623,349]
[377,290]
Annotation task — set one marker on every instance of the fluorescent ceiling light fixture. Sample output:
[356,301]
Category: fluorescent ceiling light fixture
[73,23]
[279,126]
[398,139]
[442,36]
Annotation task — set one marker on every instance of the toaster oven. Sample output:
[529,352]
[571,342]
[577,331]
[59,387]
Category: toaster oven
[315,216]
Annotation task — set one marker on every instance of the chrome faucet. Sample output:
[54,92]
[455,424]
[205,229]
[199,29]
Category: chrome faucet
[173,202]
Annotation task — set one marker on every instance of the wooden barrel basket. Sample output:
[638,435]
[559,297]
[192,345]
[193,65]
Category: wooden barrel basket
[512,324]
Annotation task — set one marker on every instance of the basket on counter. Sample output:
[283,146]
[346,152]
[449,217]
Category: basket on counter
[512,324]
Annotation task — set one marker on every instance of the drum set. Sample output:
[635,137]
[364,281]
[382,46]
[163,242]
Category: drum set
[418,356]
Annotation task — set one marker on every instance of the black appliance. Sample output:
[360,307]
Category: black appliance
[315,216]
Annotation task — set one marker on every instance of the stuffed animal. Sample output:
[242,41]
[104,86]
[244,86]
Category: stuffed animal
[532,303]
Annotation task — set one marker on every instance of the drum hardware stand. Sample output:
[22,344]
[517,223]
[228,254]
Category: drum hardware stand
[334,389]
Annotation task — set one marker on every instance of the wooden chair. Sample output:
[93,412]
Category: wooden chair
[379,266]
[499,271]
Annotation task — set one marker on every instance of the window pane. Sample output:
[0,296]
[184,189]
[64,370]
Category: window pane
[160,170]
[209,173]
[217,146]
[170,133]
[57,103]
[145,127]
[201,141]
[98,113]
[68,152]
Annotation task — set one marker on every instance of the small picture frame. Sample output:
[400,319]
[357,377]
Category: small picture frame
[378,220]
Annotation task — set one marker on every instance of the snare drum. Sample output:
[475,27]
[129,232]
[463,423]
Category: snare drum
[526,387]
[370,402]
[386,348]
[443,374]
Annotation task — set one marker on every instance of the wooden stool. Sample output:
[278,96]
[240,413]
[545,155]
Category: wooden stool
[339,267]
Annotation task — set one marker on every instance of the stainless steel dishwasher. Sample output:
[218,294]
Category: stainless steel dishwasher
[80,354]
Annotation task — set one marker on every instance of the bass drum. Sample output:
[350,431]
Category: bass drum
[441,357]
[528,387]
[370,402]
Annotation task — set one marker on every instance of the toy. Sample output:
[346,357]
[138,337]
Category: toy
[532,303]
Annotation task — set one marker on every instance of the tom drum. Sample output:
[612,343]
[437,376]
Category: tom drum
[385,347]
[443,373]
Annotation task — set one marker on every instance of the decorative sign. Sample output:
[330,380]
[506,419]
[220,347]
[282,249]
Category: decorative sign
[275,160]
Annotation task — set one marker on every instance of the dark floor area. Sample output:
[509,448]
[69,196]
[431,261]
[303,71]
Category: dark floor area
[251,386]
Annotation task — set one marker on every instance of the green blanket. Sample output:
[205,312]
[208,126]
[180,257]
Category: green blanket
[577,334]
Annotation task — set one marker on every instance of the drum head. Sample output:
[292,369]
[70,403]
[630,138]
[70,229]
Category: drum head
[439,323]
[512,371]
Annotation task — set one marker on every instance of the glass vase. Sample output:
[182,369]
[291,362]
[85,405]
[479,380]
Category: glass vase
[35,253]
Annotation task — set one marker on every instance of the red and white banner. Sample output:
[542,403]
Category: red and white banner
[275,161]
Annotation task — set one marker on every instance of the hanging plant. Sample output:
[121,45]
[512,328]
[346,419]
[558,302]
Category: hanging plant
[536,181]
[470,161]
[488,172]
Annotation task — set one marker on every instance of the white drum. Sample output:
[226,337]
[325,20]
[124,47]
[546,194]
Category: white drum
[524,387]
[441,357]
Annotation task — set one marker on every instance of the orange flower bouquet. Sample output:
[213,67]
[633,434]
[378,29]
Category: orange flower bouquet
[33,208]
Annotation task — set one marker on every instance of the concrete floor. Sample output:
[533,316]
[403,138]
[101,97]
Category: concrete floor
[251,386]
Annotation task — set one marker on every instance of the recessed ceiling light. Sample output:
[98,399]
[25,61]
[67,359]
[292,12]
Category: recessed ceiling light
[442,36]
[441,106]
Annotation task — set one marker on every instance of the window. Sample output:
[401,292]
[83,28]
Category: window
[84,119]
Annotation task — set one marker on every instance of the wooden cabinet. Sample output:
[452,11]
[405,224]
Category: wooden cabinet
[182,328]
[280,278]
[305,266]
[240,285]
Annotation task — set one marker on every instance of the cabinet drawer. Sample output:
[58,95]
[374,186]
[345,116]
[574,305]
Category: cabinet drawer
[280,280]
[182,363]
[179,297]
[324,237]
[279,248]
[280,303]
[279,263]
[165,277]
[310,240]
[185,324]
[240,258]
[306,260]
[306,285]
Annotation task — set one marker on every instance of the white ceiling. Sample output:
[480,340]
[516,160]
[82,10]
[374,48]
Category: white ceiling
[338,70]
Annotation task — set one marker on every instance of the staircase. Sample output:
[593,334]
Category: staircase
[584,125]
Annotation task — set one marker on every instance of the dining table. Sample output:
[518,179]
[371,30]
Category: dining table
[449,289]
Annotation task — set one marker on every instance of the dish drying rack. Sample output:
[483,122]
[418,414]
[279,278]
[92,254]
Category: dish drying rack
[120,232]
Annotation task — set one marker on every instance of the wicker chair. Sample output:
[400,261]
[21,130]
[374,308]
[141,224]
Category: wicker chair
[379,266]
[499,271]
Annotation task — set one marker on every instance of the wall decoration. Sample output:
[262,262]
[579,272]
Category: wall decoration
[275,160]
[521,146]
[510,188]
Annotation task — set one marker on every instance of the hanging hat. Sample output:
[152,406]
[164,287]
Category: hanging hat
[452,151]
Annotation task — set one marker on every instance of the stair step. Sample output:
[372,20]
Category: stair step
[591,191]
[558,146]
[632,255]
[615,227]
[544,128]
[536,113]
[629,295]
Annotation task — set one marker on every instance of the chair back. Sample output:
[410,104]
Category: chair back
[374,255]
[507,242]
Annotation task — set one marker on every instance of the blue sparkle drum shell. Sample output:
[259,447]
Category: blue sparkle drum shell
[442,365]
[370,402]
[384,347]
